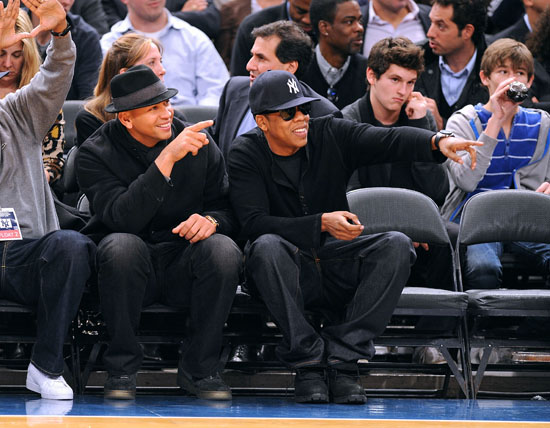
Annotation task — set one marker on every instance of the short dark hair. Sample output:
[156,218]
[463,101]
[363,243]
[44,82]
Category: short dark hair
[399,51]
[295,44]
[465,12]
[323,10]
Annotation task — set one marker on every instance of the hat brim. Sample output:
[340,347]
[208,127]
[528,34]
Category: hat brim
[292,103]
[170,93]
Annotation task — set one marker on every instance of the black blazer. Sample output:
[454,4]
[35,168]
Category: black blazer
[518,31]
[429,83]
[234,105]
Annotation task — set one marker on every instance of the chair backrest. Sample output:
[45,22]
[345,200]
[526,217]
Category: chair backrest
[68,179]
[505,215]
[383,209]
[196,114]
[70,110]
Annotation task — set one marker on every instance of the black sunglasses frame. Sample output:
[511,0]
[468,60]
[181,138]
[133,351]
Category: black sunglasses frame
[289,113]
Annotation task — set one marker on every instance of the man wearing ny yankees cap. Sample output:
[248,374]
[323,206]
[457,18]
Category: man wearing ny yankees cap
[158,191]
[288,182]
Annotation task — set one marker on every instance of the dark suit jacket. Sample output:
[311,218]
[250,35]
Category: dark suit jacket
[429,83]
[518,31]
[234,105]
[92,12]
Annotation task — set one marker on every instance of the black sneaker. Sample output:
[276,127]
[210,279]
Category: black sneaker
[345,386]
[206,388]
[120,387]
[310,385]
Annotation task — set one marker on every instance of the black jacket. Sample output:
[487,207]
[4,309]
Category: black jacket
[234,105]
[519,31]
[264,203]
[128,193]
[429,83]
[350,87]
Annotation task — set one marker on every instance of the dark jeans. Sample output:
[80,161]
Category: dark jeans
[202,277]
[50,274]
[354,284]
[483,266]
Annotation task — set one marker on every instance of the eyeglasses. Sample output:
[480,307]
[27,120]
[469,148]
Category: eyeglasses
[289,113]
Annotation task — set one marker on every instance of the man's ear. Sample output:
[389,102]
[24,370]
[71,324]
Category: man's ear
[468,31]
[126,119]
[261,121]
[530,82]
[291,67]
[323,27]
[371,76]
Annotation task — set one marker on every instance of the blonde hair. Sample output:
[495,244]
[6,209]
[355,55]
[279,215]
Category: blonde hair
[125,52]
[503,50]
[31,57]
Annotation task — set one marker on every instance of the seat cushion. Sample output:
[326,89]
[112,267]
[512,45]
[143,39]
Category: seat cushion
[509,299]
[427,298]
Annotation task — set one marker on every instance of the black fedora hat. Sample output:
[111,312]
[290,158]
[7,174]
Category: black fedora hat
[137,87]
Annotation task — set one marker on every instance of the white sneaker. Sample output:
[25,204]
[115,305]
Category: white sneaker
[52,388]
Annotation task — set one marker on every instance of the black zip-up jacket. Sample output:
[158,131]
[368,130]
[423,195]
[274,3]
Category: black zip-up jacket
[128,193]
[264,201]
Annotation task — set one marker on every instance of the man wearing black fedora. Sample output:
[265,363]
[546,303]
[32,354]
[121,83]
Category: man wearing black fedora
[288,181]
[158,191]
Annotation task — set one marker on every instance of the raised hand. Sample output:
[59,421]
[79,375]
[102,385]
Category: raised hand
[8,16]
[51,13]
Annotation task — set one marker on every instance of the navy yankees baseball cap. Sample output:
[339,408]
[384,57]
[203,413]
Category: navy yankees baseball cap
[276,90]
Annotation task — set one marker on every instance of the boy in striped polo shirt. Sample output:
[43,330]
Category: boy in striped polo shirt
[514,155]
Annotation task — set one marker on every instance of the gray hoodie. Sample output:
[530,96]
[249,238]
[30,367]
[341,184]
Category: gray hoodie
[25,118]
[463,180]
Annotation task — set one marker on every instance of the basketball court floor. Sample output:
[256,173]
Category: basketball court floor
[167,411]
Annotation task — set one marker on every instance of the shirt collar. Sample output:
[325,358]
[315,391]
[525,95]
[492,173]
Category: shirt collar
[331,74]
[444,67]
[413,12]
[126,25]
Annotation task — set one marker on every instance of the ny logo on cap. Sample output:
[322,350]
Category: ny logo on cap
[292,86]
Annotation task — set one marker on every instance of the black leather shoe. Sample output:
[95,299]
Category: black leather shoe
[310,385]
[120,387]
[206,388]
[345,386]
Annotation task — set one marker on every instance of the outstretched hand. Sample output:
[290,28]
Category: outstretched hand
[51,14]
[8,16]
[450,145]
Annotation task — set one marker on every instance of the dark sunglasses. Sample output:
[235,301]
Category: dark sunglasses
[289,113]
[332,94]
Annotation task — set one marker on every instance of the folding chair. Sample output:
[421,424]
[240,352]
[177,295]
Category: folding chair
[416,215]
[505,216]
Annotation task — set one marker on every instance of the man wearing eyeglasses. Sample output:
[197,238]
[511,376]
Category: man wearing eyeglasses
[288,182]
